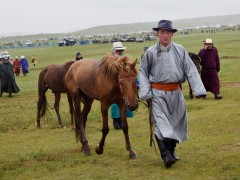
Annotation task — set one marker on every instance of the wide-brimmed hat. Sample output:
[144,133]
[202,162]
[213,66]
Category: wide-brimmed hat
[165,24]
[118,46]
[208,41]
[22,57]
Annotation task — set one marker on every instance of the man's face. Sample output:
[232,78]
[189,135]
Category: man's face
[119,52]
[209,46]
[165,36]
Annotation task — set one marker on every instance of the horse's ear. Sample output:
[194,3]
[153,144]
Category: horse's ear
[134,63]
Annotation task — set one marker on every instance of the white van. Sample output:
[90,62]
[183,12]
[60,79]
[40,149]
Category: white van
[4,54]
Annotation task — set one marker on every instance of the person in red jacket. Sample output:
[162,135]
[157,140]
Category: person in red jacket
[16,66]
[210,67]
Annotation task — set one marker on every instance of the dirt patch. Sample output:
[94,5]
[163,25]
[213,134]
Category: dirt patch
[230,57]
[237,84]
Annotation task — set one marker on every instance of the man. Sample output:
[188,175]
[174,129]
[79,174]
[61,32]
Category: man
[210,68]
[34,60]
[7,80]
[117,51]
[24,65]
[144,50]
[16,66]
[163,67]
[78,56]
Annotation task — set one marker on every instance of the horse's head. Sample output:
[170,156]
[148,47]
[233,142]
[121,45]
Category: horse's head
[127,77]
[196,60]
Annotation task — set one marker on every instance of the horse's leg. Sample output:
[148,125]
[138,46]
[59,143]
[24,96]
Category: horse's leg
[105,128]
[132,154]
[86,109]
[71,109]
[80,133]
[56,107]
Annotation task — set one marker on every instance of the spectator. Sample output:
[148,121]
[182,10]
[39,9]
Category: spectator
[78,56]
[34,61]
[16,66]
[7,80]
[24,65]
[210,67]
[144,50]
[117,51]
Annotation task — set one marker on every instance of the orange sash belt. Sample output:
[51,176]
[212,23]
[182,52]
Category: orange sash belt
[165,86]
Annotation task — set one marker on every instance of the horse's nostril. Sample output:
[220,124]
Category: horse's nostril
[133,108]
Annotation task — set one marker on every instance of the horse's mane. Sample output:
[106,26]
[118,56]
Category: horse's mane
[68,62]
[108,67]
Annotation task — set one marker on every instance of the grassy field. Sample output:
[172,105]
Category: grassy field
[211,152]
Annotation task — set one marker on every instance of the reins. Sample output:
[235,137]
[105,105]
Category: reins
[149,106]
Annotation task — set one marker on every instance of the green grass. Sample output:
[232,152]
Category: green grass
[211,152]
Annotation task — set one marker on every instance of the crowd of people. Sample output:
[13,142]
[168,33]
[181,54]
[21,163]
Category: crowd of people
[163,67]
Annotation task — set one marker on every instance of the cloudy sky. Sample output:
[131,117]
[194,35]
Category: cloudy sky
[56,16]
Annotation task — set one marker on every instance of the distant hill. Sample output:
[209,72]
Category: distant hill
[147,26]
[135,27]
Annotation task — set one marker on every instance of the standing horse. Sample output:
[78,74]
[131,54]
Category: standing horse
[52,77]
[196,60]
[110,80]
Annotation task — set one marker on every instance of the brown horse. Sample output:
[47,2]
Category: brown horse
[52,77]
[110,80]
[196,60]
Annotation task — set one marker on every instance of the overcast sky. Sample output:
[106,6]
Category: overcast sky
[61,16]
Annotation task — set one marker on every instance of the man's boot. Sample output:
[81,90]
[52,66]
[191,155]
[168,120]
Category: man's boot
[165,153]
[171,145]
[115,123]
[217,96]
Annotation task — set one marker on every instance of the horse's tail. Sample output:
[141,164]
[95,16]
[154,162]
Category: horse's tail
[42,88]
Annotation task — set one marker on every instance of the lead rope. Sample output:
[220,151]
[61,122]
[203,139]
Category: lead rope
[149,106]
[151,125]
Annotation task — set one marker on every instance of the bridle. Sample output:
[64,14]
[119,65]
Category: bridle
[125,75]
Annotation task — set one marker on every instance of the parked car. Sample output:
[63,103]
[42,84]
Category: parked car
[61,43]
[4,54]
[114,40]
[131,39]
[139,39]
[104,41]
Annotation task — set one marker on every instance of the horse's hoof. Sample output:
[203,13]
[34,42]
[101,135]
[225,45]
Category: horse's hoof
[87,151]
[64,127]
[39,126]
[191,96]
[132,156]
[99,150]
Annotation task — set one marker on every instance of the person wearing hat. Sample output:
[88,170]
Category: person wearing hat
[163,67]
[78,56]
[144,50]
[117,51]
[210,67]
[16,66]
[7,80]
[24,65]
